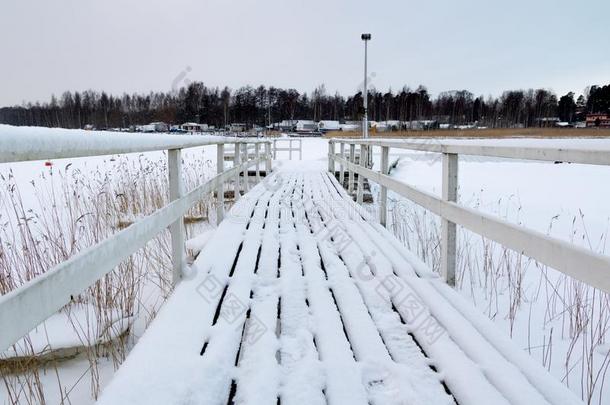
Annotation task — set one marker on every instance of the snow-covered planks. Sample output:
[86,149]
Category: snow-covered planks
[477,361]
[303,376]
[166,365]
[258,370]
[301,298]
[394,368]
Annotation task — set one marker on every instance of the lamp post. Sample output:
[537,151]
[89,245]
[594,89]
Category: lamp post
[365,119]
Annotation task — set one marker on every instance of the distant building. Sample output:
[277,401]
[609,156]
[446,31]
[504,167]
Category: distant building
[238,127]
[159,126]
[306,126]
[193,127]
[601,120]
[287,125]
[580,124]
[383,126]
[153,127]
[420,124]
[327,125]
[350,126]
[548,121]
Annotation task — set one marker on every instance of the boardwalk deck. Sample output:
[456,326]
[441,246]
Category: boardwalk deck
[301,298]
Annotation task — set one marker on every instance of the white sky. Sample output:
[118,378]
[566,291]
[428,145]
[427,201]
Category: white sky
[485,46]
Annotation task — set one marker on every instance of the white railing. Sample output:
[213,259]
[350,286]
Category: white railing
[27,306]
[577,262]
[289,148]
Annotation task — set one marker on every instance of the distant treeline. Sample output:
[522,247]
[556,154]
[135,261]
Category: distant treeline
[262,105]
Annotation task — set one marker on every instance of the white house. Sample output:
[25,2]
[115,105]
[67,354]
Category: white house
[159,126]
[286,125]
[327,125]
[306,126]
[193,127]
[153,127]
[390,125]
[348,126]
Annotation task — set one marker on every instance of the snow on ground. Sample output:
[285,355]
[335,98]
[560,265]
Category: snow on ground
[55,333]
[196,244]
[533,193]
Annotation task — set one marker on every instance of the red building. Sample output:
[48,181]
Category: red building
[601,120]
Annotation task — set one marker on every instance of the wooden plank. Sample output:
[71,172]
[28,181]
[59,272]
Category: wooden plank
[352,159]
[225,336]
[376,334]
[360,190]
[176,229]
[343,380]
[244,174]
[220,195]
[259,372]
[448,228]
[298,355]
[383,193]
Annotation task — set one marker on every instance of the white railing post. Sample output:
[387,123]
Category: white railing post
[236,162]
[246,158]
[275,149]
[268,158]
[220,192]
[448,229]
[342,166]
[257,156]
[362,162]
[176,191]
[300,149]
[290,149]
[331,157]
[352,159]
[383,198]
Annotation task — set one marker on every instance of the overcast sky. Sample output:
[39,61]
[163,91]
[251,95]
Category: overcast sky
[485,46]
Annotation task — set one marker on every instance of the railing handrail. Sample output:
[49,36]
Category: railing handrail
[288,149]
[25,146]
[583,264]
[551,154]
[25,307]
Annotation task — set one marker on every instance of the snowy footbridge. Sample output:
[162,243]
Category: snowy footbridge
[301,296]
